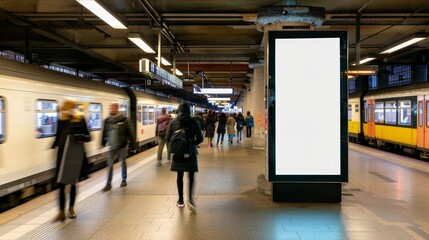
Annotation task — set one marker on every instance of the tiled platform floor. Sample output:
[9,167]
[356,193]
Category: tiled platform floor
[387,197]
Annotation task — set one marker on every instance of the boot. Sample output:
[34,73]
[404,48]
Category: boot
[60,217]
[72,214]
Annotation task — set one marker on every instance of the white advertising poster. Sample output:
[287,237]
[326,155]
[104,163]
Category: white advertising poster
[307,106]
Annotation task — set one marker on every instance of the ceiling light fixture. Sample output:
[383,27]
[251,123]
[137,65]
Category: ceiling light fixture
[364,60]
[405,42]
[164,61]
[178,72]
[137,40]
[218,99]
[102,12]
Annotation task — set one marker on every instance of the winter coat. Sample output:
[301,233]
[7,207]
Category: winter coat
[78,128]
[118,124]
[240,122]
[230,125]
[221,127]
[210,125]
[162,123]
[186,121]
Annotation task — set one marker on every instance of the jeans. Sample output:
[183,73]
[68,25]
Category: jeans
[248,132]
[161,143]
[239,134]
[220,137]
[111,157]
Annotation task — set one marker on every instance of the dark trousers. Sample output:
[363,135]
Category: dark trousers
[220,137]
[63,195]
[248,132]
[180,185]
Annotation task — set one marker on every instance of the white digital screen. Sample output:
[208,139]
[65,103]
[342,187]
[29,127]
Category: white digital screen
[307,106]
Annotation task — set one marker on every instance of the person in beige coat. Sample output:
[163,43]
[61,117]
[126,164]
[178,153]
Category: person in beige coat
[230,127]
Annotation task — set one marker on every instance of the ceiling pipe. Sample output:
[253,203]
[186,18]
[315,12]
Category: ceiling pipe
[153,14]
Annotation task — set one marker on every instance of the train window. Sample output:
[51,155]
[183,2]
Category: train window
[427,114]
[151,118]
[366,112]
[404,112]
[390,112]
[139,113]
[350,112]
[145,115]
[379,112]
[420,114]
[95,111]
[356,108]
[46,118]
[2,120]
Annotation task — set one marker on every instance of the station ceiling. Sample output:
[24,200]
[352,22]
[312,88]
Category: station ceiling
[218,38]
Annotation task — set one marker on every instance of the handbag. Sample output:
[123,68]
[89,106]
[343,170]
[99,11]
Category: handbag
[71,161]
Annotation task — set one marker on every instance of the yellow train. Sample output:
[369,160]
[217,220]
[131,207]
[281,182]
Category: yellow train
[394,119]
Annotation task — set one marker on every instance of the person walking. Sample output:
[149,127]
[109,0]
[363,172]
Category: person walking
[71,123]
[230,125]
[162,123]
[249,124]
[210,127]
[190,165]
[240,124]
[221,128]
[117,133]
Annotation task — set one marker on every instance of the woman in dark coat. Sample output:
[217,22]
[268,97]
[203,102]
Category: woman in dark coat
[185,121]
[221,128]
[210,127]
[71,122]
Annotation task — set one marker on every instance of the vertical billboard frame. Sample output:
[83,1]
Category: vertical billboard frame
[291,142]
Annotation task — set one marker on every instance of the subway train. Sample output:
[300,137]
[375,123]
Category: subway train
[395,119]
[30,97]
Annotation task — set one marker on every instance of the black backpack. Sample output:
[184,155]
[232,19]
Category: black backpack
[180,145]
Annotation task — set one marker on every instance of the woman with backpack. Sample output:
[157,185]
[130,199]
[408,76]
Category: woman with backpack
[186,161]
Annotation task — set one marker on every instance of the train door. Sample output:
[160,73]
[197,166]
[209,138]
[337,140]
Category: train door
[421,123]
[371,118]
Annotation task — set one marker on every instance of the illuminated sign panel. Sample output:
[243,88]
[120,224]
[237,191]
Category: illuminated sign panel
[212,90]
[149,68]
[307,102]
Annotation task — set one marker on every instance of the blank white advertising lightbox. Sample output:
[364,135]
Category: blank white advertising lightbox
[307,106]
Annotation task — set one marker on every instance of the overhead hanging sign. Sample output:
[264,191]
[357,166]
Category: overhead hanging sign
[151,69]
[213,91]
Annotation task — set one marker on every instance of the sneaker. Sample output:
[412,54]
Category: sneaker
[158,163]
[180,204]
[191,206]
[107,188]
[221,144]
[123,183]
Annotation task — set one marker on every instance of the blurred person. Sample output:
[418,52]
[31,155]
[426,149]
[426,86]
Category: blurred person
[249,124]
[230,125]
[117,133]
[221,129]
[190,165]
[162,123]
[210,127]
[240,124]
[71,122]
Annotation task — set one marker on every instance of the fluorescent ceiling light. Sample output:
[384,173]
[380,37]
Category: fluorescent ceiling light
[219,99]
[102,13]
[213,91]
[164,61]
[178,72]
[361,72]
[406,42]
[364,60]
[137,40]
